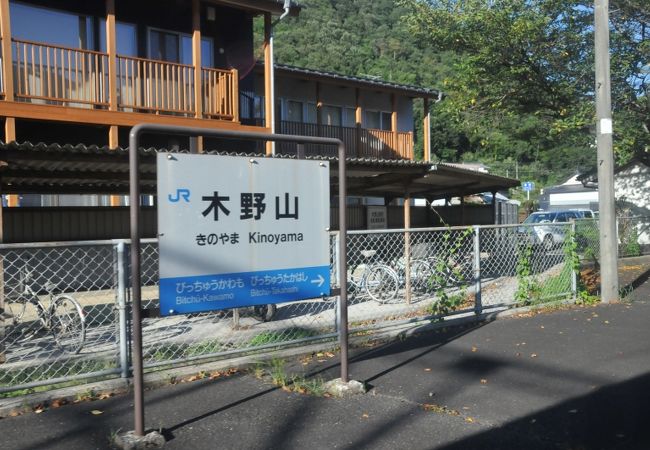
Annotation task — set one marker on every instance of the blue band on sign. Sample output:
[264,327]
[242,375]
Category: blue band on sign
[183,295]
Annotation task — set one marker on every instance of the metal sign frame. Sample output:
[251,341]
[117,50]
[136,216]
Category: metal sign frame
[134,195]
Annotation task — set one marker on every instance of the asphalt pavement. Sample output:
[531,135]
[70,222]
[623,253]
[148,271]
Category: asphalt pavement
[576,378]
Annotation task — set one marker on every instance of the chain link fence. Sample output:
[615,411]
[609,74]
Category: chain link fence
[394,277]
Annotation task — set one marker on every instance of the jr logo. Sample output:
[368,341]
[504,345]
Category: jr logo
[180,194]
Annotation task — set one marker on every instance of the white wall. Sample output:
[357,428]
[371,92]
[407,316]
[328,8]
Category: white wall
[632,188]
[632,193]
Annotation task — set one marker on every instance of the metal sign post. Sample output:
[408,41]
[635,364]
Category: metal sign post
[528,186]
[134,192]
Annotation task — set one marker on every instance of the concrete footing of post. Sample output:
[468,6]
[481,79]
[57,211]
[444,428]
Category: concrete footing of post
[338,388]
[130,441]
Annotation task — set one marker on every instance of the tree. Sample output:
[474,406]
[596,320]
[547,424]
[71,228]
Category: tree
[522,84]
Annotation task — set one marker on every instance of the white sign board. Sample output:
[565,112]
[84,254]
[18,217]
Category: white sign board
[377,217]
[239,231]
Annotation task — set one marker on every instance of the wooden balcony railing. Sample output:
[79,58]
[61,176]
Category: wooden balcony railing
[156,86]
[54,74]
[359,142]
[221,92]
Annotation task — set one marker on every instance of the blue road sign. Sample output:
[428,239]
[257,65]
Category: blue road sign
[528,186]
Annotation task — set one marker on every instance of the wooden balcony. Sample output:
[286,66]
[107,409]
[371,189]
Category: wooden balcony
[51,75]
[359,142]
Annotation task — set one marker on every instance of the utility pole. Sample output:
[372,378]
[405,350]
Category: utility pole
[604,130]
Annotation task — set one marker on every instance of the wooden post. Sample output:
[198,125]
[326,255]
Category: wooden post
[393,122]
[358,118]
[196,62]
[111,49]
[426,135]
[268,68]
[494,207]
[235,95]
[7,67]
[407,246]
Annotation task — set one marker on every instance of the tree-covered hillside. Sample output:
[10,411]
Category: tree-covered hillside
[518,74]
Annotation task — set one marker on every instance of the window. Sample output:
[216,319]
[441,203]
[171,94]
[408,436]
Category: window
[294,111]
[311,113]
[331,115]
[126,39]
[177,47]
[258,107]
[373,120]
[379,120]
[349,117]
[386,119]
[51,26]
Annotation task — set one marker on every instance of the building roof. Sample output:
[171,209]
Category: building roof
[77,169]
[590,178]
[365,82]
[272,6]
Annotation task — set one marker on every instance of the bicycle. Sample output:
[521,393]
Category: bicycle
[450,271]
[62,315]
[379,281]
[421,275]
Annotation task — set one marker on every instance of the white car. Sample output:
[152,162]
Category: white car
[542,233]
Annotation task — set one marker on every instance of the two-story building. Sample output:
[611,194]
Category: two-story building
[77,75]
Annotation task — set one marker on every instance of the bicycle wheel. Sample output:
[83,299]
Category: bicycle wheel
[68,324]
[264,313]
[421,277]
[381,283]
[15,310]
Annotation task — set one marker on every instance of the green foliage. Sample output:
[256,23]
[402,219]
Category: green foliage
[522,78]
[287,335]
[629,238]
[528,289]
[447,273]
[572,247]
[276,371]
[518,75]
[9,377]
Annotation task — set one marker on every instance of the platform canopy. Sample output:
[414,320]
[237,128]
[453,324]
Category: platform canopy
[27,168]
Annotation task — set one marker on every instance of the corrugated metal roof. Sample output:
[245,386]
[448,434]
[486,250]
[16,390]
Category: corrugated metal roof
[364,81]
[55,168]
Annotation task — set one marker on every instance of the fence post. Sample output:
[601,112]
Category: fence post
[407,246]
[478,306]
[335,258]
[575,265]
[121,308]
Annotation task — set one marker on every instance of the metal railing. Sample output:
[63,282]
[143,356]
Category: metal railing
[394,277]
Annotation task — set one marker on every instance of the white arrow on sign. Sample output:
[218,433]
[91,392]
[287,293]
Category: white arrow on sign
[320,280]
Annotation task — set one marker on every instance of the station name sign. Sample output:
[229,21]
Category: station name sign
[240,231]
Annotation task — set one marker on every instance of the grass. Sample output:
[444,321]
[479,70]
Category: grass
[56,370]
[558,285]
[173,351]
[286,335]
[276,372]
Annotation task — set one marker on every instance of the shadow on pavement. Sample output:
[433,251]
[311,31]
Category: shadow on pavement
[613,417]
